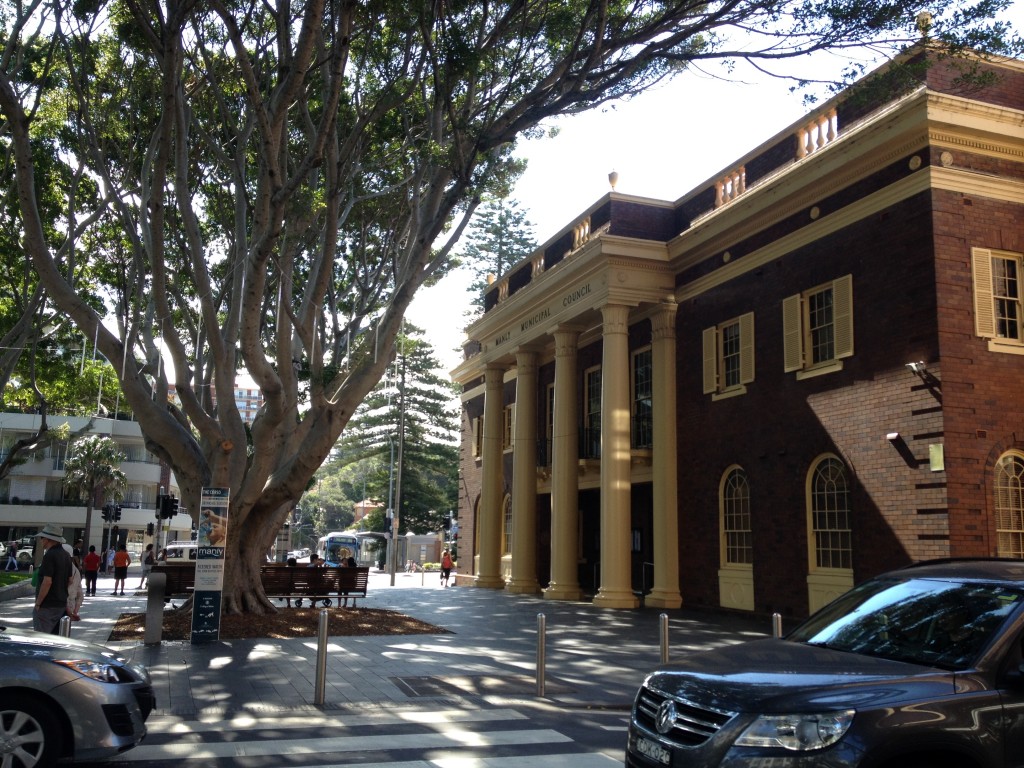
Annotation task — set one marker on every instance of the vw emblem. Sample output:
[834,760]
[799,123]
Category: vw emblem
[666,718]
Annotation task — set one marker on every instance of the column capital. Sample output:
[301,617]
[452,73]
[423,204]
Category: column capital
[526,361]
[663,321]
[566,340]
[616,319]
[494,375]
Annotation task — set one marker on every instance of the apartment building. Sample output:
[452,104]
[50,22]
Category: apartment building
[34,495]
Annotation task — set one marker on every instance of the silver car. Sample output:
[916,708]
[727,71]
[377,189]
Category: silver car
[64,698]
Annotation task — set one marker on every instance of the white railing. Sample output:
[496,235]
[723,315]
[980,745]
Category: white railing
[730,186]
[816,134]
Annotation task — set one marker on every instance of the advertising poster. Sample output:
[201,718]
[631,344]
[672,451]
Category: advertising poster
[210,541]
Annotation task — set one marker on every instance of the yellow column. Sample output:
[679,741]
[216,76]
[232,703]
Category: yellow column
[616,588]
[489,573]
[565,513]
[664,467]
[524,477]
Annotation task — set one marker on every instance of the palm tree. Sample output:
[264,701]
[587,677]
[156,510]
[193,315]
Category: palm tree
[94,467]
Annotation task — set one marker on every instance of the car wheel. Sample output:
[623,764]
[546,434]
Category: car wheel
[29,736]
[25,557]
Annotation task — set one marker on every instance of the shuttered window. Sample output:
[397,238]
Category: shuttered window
[817,327]
[998,310]
[728,351]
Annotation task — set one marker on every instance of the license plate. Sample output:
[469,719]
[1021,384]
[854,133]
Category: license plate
[653,750]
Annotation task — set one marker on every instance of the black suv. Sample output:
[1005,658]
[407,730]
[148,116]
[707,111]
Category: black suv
[918,668]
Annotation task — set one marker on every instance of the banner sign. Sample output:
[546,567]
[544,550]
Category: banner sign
[211,541]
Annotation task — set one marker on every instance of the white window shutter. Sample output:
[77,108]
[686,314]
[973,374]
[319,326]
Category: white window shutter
[984,306]
[842,298]
[747,348]
[792,334]
[710,339]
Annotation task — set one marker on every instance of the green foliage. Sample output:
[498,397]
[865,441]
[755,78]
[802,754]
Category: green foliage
[429,467]
[70,387]
[500,237]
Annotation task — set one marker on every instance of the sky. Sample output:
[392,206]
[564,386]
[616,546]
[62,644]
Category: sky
[662,144]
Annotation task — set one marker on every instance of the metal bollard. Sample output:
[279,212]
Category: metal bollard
[776,625]
[541,637]
[64,626]
[663,627]
[321,659]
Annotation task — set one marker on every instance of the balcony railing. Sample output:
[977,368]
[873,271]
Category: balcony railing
[642,432]
[590,443]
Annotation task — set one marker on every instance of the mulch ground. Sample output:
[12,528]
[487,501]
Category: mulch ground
[286,623]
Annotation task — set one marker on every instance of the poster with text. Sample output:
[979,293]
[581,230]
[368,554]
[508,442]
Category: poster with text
[210,541]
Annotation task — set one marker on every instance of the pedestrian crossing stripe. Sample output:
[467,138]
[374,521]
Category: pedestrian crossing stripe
[592,760]
[190,750]
[218,722]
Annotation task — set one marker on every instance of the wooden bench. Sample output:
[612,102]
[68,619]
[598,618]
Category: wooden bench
[315,584]
[283,581]
[181,579]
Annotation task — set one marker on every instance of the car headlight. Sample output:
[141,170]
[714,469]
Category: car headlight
[97,670]
[797,732]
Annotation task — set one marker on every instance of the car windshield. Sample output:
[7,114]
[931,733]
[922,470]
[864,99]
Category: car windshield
[943,624]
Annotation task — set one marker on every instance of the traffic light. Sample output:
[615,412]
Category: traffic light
[106,513]
[149,529]
[117,512]
[168,507]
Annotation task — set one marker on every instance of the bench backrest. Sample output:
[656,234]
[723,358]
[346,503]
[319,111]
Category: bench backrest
[285,579]
[180,578]
[278,579]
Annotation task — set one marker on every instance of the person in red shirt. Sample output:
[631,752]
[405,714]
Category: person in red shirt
[446,567]
[91,569]
[121,562]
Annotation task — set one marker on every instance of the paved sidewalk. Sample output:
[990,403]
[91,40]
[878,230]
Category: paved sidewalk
[594,656]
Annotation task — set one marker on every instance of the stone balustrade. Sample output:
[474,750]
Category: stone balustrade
[581,233]
[816,134]
[730,186]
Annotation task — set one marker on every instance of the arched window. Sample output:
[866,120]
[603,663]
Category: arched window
[737,542]
[830,516]
[506,529]
[476,527]
[1009,496]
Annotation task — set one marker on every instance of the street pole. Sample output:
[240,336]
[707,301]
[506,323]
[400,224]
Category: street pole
[392,551]
[398,480]
[159,521]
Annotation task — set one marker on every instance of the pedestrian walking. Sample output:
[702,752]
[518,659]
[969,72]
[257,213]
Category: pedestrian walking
[12,557]
[148,561]
[121,562]
[446,567]
[91,566]
[52,591]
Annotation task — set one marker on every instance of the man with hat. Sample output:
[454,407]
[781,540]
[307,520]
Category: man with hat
[54,572]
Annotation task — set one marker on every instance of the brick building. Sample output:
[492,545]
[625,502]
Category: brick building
[800,373]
